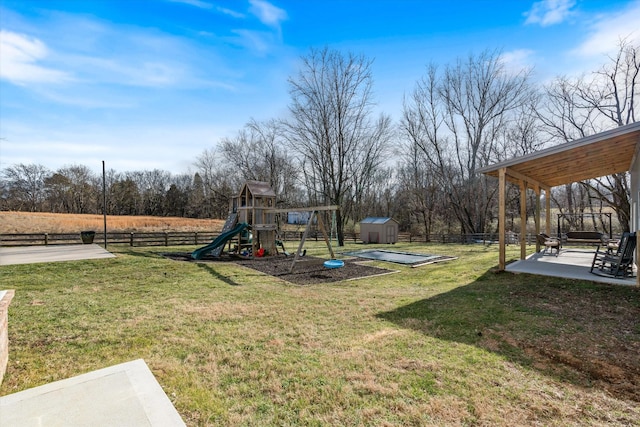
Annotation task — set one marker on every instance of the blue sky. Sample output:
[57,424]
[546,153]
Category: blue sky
[146,84]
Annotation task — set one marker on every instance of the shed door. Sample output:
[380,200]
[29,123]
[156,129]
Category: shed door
[391,234]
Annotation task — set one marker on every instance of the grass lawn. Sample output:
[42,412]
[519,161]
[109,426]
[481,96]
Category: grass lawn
[444,344]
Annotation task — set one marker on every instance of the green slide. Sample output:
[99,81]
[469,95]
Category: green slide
[219,241]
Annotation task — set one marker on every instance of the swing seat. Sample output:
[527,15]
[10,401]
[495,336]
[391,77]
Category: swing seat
[334,263]
[584,238]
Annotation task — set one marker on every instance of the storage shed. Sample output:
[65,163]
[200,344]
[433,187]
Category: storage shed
[379,230]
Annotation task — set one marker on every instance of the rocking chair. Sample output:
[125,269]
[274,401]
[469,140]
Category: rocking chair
[619,263]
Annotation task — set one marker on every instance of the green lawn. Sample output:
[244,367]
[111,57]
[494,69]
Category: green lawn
[446,344]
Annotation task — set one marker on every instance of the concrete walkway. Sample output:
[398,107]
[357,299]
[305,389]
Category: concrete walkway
[569,264]
[51,253]
[122,395]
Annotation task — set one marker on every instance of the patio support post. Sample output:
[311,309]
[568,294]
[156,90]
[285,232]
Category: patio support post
[537,216]
[523,219]
[502,214]
[547,207]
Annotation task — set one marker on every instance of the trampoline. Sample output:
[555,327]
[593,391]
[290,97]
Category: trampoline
[407,258]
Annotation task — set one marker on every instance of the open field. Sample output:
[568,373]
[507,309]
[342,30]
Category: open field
[444,344]
[43,222]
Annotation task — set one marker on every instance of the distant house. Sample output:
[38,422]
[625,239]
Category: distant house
[299,218]
[379,230]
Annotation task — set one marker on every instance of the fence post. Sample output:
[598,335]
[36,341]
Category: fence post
[166,238]
[131,239]
[46,239]
[195,238]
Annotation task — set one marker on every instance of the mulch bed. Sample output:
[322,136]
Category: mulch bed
[308,271]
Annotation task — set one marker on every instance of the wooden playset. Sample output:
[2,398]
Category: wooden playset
[251,228]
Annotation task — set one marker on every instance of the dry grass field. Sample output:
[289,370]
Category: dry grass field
[43,222]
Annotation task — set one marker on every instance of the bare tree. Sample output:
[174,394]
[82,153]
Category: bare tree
[258,152]
[457,118]
[154,186]
[423,192]
[213,185]
[124,197]
[82,189]
[614,88]
[577,107]
[111,177]
[331,127]
[24,186]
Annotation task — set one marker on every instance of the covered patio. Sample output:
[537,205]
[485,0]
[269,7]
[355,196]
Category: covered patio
[571,263]
[605,153]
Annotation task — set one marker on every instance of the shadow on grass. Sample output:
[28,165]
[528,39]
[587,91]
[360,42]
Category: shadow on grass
[581,332]
[217,275]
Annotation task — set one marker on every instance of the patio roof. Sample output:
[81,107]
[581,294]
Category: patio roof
[593,156]
[605,153]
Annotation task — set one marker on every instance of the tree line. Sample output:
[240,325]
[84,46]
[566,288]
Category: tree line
[334,148]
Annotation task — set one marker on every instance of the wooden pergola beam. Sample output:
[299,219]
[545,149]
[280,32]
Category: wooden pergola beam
[547,206]
[537,217]
[523,220]
[532,183]
[524,183]
[305,209]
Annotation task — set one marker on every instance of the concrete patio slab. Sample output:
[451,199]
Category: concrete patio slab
[51,253]
[122,395]
[569,264]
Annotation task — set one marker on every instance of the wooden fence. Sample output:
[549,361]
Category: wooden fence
[174,238]
[486,238]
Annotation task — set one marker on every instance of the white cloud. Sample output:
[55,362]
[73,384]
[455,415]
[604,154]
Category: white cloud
[122,148]
[103,99]
[196,3]
[549,12]
[606,31]
[204,5]
[516,61]
[267,13]
[230,12]
[19,62]
[259,42]
[92,53]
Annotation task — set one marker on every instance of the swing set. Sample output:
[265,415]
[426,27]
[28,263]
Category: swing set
[314,212]
[573,217]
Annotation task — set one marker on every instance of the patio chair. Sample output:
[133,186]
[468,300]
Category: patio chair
[618,263]
[610,248]
[549,243]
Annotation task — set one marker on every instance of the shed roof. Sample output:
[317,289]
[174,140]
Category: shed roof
[605,153]
[377,220]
